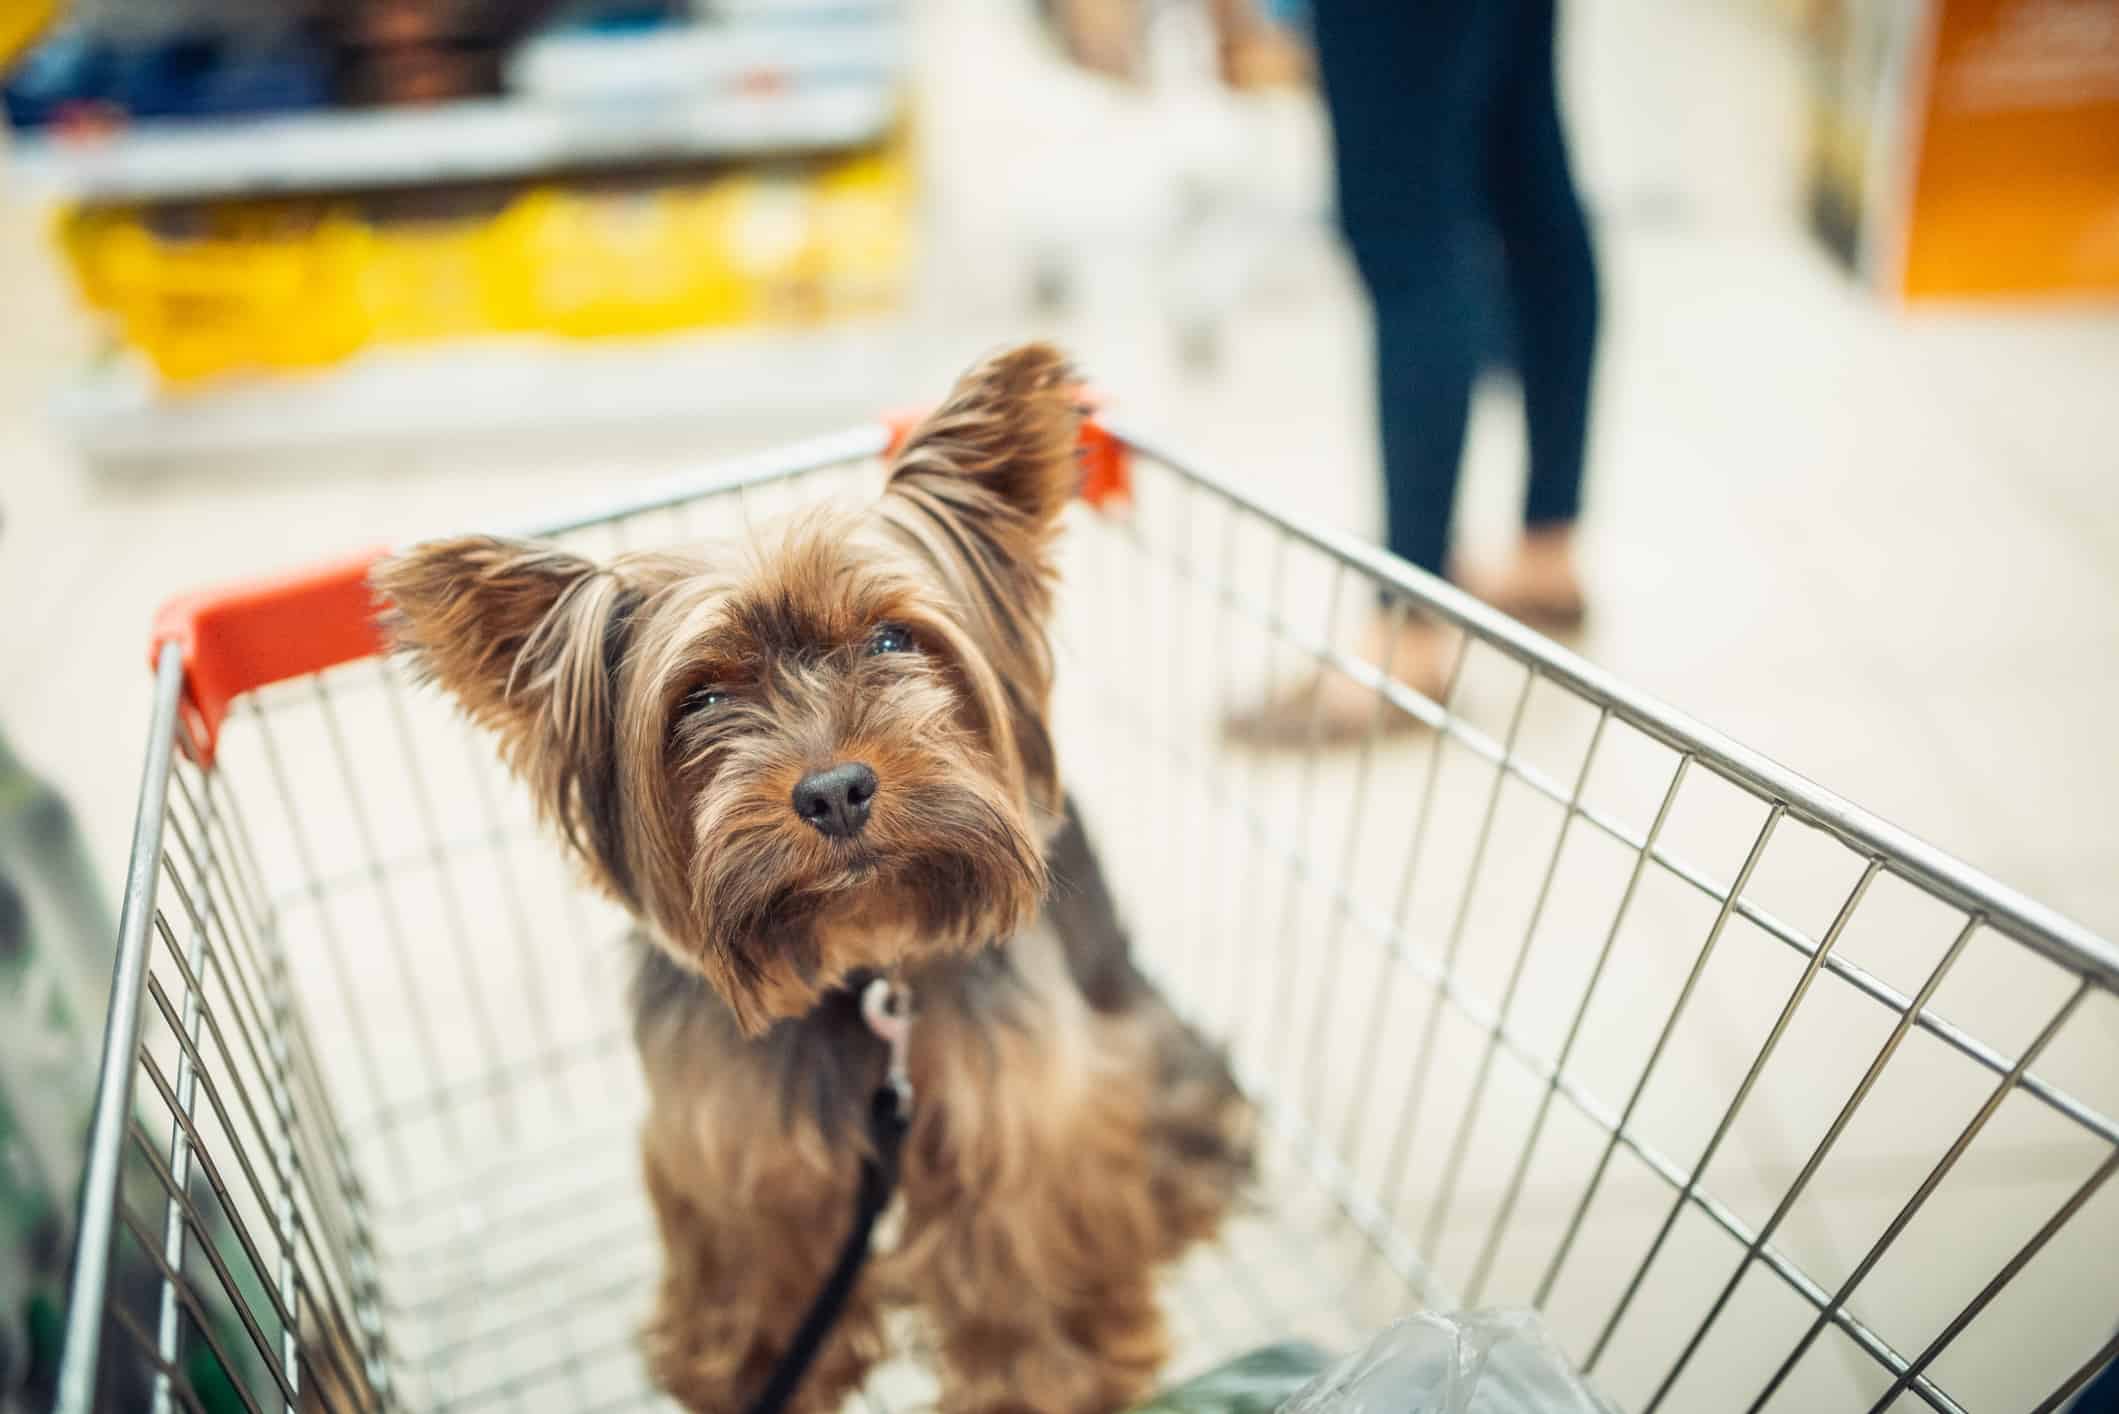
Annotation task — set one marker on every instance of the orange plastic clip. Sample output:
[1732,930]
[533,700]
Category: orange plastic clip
[239,637]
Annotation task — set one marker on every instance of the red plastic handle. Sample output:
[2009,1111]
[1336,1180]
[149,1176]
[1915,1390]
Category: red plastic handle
[239,637]
[1107,471]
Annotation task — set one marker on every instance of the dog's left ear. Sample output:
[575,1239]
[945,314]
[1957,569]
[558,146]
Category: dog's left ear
[996,464]
[531,640]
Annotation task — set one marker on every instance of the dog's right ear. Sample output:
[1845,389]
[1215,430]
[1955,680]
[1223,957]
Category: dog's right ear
[531,640]
[993,467]
[978,488]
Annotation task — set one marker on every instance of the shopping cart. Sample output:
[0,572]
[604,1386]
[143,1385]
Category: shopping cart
[1564,1001]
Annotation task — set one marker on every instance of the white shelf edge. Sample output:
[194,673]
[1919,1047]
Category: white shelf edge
[115,412]
[466,140]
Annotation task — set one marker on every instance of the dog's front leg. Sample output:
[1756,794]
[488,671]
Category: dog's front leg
[738,1276]
[1095,1356]
[1039,1309]
[1033,1228]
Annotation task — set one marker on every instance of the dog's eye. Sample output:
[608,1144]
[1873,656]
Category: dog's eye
[702,698]
[890,638]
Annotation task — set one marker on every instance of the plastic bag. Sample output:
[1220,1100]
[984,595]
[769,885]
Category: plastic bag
[1257,1383]
[1474,1362]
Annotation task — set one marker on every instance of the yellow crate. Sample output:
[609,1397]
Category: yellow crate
[424,281]
[865,230]
[251,289]
[622,264]
[297,283]
[782,244]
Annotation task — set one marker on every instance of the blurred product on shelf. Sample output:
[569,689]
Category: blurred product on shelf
[21,22]
[1850,47]
[220,288]
[259,186]
[112,64]
[1967,148]
[424,51]
[78,81]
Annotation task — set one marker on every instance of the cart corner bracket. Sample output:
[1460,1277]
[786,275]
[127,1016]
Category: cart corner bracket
[241,636]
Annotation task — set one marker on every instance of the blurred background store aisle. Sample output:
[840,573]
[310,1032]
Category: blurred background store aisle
[1877,543]
[1878,546]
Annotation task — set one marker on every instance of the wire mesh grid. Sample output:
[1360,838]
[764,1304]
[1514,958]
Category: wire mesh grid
[1551,1000]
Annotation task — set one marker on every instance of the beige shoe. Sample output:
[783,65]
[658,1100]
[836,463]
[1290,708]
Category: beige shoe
[1331,709]
[1102,35]
[1256,53]
[1265,58]
[1539,586]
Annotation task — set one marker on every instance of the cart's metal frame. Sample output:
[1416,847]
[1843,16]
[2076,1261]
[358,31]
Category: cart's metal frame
[307,1326]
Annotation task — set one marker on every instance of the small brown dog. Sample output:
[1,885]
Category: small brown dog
[821,762]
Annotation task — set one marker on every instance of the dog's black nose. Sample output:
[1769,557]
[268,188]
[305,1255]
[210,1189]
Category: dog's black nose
[836,800]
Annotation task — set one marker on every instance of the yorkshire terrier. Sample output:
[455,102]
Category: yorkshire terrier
[822,759]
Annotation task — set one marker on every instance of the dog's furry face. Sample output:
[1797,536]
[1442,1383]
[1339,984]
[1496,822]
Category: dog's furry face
[672,715]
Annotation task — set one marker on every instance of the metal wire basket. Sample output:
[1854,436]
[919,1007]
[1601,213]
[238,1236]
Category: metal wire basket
[1563,1000]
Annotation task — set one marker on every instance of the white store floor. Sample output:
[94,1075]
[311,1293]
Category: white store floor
[1881,548]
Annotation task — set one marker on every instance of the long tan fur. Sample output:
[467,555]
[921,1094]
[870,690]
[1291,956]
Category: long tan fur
[1071,1134]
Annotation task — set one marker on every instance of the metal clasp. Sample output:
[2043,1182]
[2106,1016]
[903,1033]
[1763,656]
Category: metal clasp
[887,1008]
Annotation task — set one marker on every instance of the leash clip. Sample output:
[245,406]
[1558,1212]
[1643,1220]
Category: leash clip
[887,1008]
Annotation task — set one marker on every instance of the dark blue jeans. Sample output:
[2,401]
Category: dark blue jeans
[1457,200]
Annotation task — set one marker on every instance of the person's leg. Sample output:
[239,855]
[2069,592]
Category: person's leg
[1551,268]
[1552,283]
[1406,85]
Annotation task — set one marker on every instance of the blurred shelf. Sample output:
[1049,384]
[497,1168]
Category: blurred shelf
[117,413]
[677,60]
[808,12]
[466,140]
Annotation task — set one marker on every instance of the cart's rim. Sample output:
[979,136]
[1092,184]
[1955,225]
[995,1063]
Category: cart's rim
[2046,931]
[335,595]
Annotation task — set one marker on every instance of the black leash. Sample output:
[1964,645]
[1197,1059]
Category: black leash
[888,1011]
